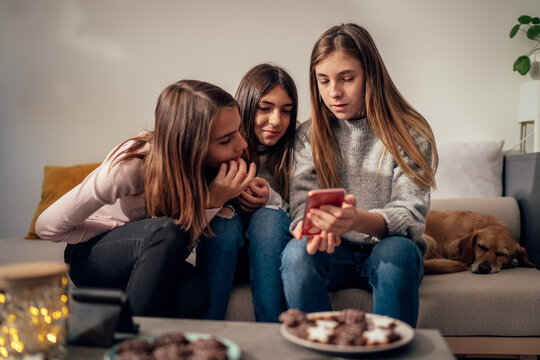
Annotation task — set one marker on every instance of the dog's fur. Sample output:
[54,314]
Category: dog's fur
[461,239]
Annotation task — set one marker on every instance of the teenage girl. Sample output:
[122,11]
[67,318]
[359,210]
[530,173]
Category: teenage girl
[133,221]
[365,137]
[268,101]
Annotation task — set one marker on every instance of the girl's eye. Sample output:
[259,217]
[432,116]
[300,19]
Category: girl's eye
[349,79]
[263,108]
[323,81]
[286,111]
[225,142]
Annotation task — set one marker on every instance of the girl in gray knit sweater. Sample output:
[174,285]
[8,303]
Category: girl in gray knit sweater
[363,136]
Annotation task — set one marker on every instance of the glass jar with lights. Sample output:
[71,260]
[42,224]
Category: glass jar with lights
[33,310]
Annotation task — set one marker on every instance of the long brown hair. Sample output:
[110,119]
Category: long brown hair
[257,82]
[175,183]
[392,118]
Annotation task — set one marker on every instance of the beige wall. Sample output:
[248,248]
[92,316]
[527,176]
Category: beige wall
[78,77]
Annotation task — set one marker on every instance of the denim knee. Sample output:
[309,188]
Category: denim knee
[227,232]
[401,252]
[296,263]
[268,230]
[271,219]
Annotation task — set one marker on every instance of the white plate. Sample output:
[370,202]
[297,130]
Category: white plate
[233,350]
[403,329]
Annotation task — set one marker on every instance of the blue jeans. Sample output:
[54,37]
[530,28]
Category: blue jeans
[393,268]
[144,258]
[267,234]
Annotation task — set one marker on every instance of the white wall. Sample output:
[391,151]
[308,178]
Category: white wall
[77,77]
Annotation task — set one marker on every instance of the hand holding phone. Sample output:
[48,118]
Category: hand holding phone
[315,199]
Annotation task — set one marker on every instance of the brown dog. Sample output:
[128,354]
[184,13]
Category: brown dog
[461,239]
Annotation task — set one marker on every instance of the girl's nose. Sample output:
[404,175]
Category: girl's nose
[335,90]
[275,118]
[242,144]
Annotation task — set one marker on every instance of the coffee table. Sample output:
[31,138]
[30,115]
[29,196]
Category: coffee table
[264,341]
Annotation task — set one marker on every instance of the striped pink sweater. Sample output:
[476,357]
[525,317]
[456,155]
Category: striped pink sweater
[109,197]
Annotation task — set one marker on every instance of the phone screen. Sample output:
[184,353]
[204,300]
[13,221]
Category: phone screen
[315,199]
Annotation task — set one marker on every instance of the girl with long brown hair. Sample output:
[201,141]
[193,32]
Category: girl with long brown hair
[134,220]
[366,138]
[258,217]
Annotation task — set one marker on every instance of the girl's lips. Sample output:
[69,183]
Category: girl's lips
[236,158]
[339,106]
[271,132]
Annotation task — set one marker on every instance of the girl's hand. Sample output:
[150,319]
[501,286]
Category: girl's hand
[334,219]
[325,241]
[233,177]
[255,195]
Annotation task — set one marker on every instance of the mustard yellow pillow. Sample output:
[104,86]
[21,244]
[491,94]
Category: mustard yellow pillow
[58,180]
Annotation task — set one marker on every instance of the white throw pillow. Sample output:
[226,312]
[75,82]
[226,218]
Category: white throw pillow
[469,169]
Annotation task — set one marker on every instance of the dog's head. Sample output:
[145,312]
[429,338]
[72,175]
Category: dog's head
[491,249]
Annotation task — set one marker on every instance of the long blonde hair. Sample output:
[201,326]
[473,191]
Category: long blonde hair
[257,82]
[389,114]
[175,182]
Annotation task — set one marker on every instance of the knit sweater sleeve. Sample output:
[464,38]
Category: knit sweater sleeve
[275,201]
[304,177]
[405,213]
[69,218]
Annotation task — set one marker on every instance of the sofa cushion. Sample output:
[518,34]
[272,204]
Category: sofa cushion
[469,169]
[467,304]
[502,304]
[458,304]
[58,180]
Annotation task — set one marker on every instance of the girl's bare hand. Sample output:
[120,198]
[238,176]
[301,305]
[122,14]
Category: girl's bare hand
[255,195]
[325,241]
[232,178]
[334,219]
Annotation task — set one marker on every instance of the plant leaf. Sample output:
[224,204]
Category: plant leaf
[514,30]
[533,32]
[524,19]
[522,65]
[535,20]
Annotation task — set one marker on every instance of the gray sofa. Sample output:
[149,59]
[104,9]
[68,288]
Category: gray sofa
[478,315]
[495,314]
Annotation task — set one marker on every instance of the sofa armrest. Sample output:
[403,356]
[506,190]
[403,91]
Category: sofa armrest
[505,208]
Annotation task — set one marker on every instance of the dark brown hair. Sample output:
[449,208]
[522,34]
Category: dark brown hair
[392,118]
[175,183]
[257,82]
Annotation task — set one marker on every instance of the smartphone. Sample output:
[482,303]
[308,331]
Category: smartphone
[316,198]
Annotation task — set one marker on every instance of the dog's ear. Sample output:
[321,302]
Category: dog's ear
[522,257]
[463,248]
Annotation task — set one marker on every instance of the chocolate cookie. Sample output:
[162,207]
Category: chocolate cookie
[207,343]
[171,352]
[293,317]
[133,355]
[136,345]
[170,338]
[351,316]
[209,354]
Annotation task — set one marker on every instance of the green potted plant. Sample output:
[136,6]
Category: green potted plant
[529,25]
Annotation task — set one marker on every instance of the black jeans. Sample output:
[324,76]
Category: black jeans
[146,259]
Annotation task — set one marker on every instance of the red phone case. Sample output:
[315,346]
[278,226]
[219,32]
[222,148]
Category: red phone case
[315,199]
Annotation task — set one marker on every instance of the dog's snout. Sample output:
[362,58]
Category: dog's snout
[484,268]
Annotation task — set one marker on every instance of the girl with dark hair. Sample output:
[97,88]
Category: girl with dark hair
[134,220]
[365,137]
[268,102]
